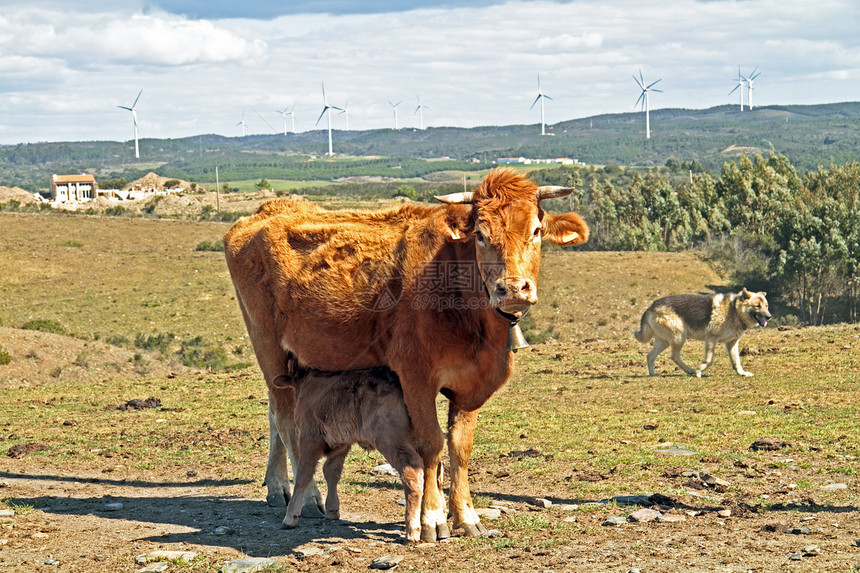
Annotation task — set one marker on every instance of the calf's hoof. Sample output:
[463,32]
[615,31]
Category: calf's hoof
[332,514]
[278,498]
[290,523]
[314,510]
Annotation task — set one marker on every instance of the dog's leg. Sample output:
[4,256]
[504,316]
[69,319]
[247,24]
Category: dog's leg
[710,350]
[659,346]
[676,356]
[735,357]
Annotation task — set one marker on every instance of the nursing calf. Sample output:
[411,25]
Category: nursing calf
[337,409]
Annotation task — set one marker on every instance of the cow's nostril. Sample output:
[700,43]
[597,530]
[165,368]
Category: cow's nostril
[500,291]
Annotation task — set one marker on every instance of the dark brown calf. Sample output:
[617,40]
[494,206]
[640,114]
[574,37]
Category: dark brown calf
[337,409]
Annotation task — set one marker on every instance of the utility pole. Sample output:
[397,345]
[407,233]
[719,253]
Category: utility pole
[217,192]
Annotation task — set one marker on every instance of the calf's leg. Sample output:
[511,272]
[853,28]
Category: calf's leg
[332,470]
[308,455]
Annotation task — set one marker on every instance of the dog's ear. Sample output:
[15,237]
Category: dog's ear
[763,294]
[745,294]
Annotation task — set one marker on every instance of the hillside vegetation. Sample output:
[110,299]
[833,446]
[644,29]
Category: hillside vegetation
[808,135]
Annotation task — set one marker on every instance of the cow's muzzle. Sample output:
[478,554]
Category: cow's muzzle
[513,296]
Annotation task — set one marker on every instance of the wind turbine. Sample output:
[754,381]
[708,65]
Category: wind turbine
[740,86]
[345,112]
[394,105]
[540,97]
[420,111]
[288,111]
[133,110]
[750,81]
[327,111]
[243,124]
[643,97]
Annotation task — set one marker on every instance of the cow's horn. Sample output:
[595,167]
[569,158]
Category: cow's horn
[553,191]
[454,198]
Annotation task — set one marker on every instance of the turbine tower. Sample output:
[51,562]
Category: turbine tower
[288,111]
[540,97]
[243,124]
[327,111]
[750,79]
[394,105]
[740,85]
[133,110]
[643,97]
[420,111]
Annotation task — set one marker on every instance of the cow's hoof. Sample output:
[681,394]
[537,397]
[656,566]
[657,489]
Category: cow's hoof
[442,531]
[313,510]
[473,530]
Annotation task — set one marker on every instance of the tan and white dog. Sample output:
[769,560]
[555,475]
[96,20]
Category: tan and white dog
[714,318]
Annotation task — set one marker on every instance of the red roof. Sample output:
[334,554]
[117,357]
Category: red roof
[83,178]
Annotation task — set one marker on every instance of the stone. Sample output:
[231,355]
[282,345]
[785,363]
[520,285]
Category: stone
[385,469]
[541,502]
[386,562]
[568,506]
[811,550]
[714,481]
[632,499]
[677,451]
[643,515]
[670,518]
[247,565]
[799,530]
[311,552]
[834,487]
[488,513]
[725,513]
[223,530]
[615,520]
[156,567]
[796,557]
[494,533]
[7,512]
[52,562]
[116,506]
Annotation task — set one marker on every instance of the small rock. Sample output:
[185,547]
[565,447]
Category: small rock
[834,486]
[615,520]
[677,451]
[156,567]
[769,444]
[116,506]
[223,530]
[568,506]
[714,481]
[385,469]
[386,562]
[725,513]
[488,513]
[643,515]
[52,562]
[811,550]
[494,533]
[633,570]
[670,518]
[541,502]
[311,551]
[798,530]
[747,413]
[796,557]
[504,509]
[247,565]
[632,499]
[7,512]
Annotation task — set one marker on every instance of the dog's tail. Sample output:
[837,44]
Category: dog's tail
[644,334]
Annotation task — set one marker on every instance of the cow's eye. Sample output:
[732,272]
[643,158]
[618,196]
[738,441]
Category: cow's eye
[479,236]
[536,234]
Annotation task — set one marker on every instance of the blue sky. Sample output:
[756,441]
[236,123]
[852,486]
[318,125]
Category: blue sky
[206,66]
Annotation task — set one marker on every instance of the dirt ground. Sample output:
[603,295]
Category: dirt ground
[67,520]
[73,525]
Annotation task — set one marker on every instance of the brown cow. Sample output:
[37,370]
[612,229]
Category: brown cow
[337,409]
[428,291]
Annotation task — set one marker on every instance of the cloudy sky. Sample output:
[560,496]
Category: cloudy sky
[65,65]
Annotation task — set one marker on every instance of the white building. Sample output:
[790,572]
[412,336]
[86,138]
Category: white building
[73,188]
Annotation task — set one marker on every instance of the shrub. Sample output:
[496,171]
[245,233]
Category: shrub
[5,357]
[155,342]
[44,325]
[216,245]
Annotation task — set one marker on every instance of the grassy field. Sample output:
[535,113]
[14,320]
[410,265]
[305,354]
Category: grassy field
[579,423]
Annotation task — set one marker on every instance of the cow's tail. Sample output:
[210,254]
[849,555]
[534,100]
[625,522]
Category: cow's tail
[645,333]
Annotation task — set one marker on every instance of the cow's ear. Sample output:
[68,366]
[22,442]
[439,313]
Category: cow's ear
[567,229]
[455,224]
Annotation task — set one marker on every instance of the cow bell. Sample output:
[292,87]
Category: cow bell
[516,339]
